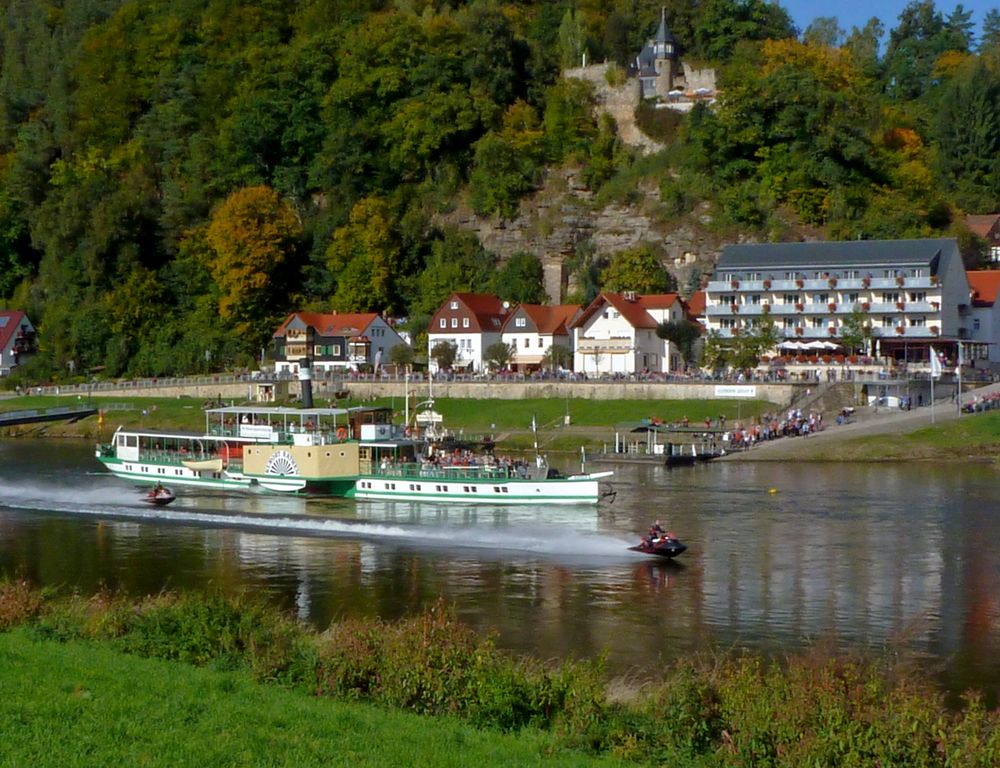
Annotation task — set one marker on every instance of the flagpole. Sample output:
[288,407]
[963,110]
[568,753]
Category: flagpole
[958,397]
[932,394]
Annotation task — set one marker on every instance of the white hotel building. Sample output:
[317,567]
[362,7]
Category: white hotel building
[914,292]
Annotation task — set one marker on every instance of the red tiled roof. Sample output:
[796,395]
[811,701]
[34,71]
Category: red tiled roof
[486,307]
[985,285]
[982,224]
[333,324]
[696,305]
[9,329]
[555,320]
[632,310]
[657,300]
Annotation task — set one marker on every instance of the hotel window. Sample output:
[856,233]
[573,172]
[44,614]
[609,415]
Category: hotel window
[753,275]
[851,274]
[527,343]
[917,322]
[918,296]
[727,322]
[817,322]
[788,322]
[520,322]
[727,298]
[975,324]
[789,298]
[887,322]
[821,298]
[454,322]
[465,322]
[790,276]
[540,344]
[444,323]
[852,298]
[890,297]
[755,298]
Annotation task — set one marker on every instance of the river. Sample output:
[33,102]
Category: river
[782,557]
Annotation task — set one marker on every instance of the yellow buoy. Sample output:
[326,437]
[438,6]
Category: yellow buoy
[772,490]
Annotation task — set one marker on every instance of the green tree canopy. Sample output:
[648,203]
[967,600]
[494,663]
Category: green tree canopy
[521,280]
[637,269]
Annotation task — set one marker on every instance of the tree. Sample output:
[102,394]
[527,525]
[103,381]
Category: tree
[724,23]
[507,165]
[824,30]
[714,353]
[750,346]
[557,356]
[570,39]
[856,330]
[682,334]
[498,355]
[253,236]
[521,280]
[444,354]
[636,269]
[365,257]
[401,355]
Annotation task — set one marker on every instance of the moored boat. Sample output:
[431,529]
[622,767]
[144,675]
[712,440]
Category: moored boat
[354,453]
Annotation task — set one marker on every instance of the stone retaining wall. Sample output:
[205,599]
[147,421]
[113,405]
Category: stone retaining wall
[781,394]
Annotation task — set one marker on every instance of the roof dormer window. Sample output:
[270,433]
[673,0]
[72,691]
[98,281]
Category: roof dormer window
[454,305]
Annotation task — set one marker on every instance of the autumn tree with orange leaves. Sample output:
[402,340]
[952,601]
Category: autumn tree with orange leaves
[253,236]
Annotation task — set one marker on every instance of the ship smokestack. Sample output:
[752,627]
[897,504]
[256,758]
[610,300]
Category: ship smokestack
[305,382]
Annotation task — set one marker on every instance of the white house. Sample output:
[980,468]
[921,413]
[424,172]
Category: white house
[17,338]
[532,329]
[470,321]
[334,341]
[617,334]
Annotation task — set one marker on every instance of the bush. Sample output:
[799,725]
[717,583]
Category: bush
[19,603]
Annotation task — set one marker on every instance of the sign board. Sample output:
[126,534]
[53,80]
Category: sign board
[735,390]
[257,431]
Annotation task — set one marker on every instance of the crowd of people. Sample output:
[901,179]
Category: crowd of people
[772,426]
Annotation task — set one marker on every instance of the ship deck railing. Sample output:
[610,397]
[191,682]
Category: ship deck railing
[430,471]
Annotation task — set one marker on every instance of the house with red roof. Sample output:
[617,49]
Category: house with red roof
[532,330]
[338,341]
[616,334]
[470,321]
[987,226]
[981,349]
[17,339]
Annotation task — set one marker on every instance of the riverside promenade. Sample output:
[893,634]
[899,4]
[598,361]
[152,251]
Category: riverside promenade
[867,421]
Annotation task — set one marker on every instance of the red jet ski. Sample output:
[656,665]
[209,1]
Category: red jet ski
[159,496]
[660,543]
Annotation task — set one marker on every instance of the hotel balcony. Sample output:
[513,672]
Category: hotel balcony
[823,284]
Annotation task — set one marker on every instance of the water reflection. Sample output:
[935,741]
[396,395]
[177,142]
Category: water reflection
[779,556]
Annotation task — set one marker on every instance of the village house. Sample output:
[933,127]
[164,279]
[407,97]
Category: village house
[982,350]
[532,330]
[913,293]
[616,334]
[987,226]
[470,321]
[17,339]
[333,342]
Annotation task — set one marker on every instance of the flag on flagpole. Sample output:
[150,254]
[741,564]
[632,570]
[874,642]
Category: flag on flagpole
[935,364]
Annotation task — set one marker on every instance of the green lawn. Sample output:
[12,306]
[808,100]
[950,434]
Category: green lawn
[81,705]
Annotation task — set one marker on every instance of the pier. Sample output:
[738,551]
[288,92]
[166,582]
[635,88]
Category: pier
[39,415]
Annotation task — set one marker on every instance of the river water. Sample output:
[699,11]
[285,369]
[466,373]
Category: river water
[781,557]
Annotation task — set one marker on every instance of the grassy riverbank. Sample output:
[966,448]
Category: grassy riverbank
[429,691]
[591,422]
[76,704]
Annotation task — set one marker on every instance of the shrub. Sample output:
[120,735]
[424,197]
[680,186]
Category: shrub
[19,603]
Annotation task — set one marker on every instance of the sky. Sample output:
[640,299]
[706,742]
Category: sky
[855,13]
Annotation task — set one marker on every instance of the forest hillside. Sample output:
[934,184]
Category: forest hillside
[177,175]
